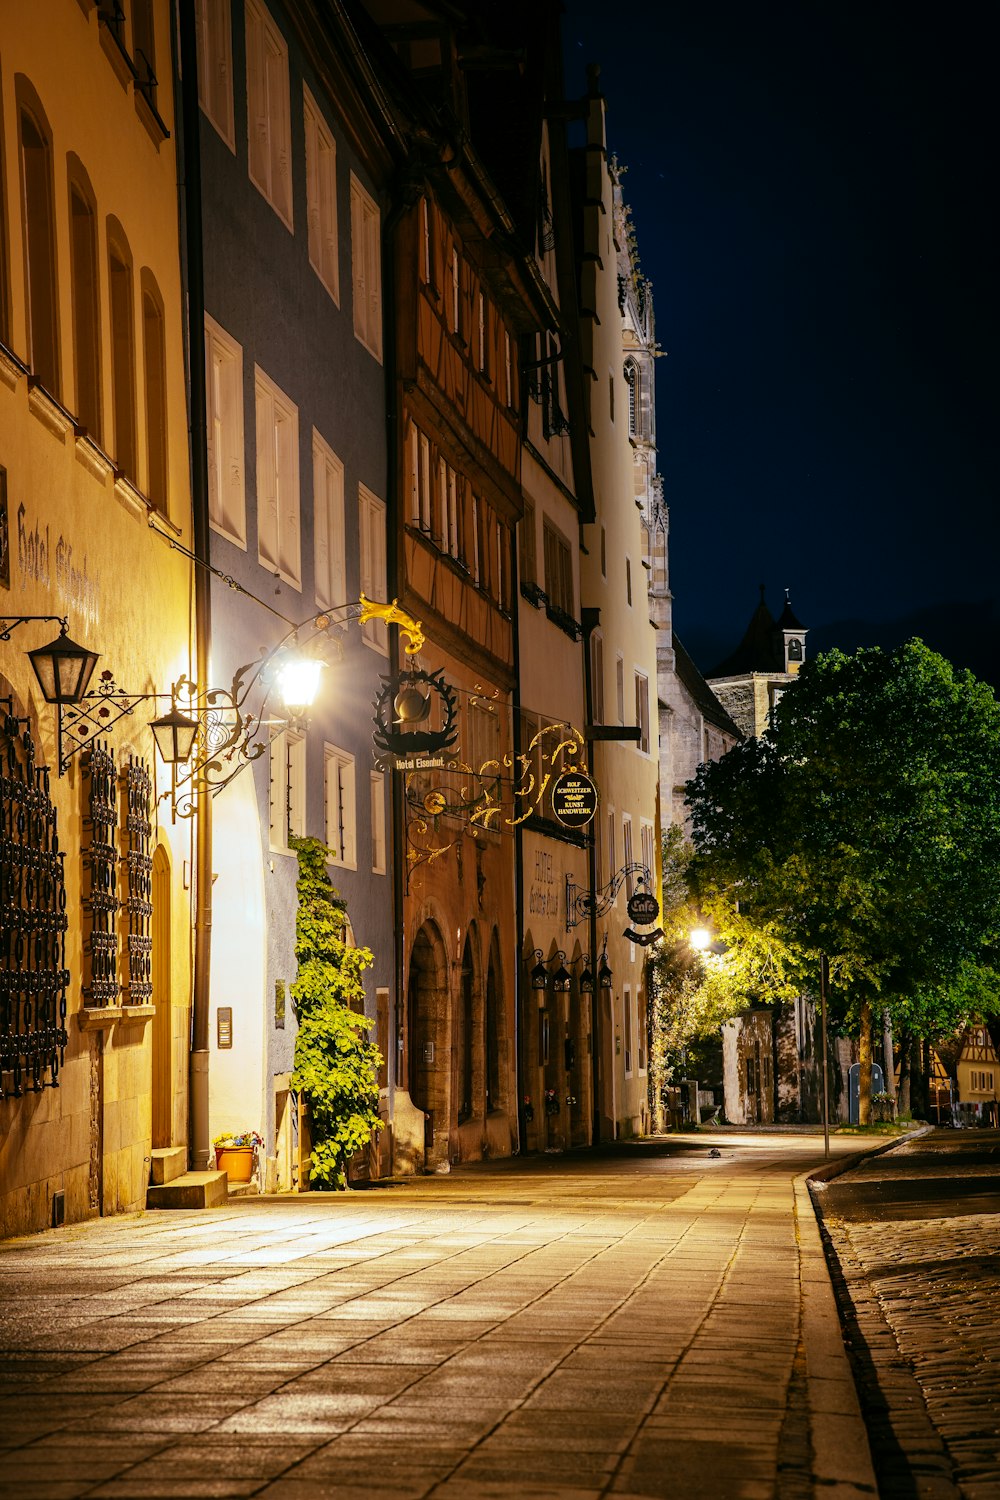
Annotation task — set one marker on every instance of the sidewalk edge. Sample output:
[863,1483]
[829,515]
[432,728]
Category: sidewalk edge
[841,1456]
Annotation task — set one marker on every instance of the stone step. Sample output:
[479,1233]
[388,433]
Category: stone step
[166,1163]
[190,1190]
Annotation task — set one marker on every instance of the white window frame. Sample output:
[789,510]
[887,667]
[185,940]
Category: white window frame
[425,242]
[321,196]
[329,546]
[287,788]
[215,66]
[371,533]
[647,845]
[340,810]
[597,676]
[628,854]
[227,510]
[456,293]
[380,852]
[269,130]
[641,682]
[366,268]
[277,480]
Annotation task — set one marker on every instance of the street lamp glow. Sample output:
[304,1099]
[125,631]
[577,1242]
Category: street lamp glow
[298,682]
[700,938]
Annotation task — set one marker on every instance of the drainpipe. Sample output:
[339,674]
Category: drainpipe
[402,191]
[516,747]
[591,618]
[198,1131]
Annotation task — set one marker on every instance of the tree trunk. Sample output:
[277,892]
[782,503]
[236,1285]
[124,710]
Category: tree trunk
[918,1082]
[865,1059]
[903,1102]
[890,1066]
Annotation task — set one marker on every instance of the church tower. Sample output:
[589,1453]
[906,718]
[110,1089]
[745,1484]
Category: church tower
[765,663]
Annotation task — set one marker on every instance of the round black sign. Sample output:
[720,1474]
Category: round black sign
[574,799]
[643,907]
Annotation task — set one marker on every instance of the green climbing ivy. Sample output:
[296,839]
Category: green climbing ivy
[336,1066]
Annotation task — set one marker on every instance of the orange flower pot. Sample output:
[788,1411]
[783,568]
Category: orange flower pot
[235,1161]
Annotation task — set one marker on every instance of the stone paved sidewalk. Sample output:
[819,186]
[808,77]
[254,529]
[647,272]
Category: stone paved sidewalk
[652,1321]
[921,1280]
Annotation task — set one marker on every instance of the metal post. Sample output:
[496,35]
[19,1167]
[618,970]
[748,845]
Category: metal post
[824,980]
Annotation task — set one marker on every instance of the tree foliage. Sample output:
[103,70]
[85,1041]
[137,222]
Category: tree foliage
[693,993]
[336,1066]
[864,825]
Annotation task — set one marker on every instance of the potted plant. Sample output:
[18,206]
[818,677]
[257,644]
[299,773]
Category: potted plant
[236,1153]
[551,1101]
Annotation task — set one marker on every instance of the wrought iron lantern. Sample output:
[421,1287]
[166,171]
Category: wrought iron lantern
[63,669]
[586,977]
[605,978]
[175,735]
[561,979]
[298,682]
[539,974]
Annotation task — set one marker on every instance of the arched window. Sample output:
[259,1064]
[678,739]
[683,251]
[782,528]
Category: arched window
[494,1030]
[85,298]
[632,381]
[155,370]
[465,1039]
[38,226]
[122,350]
[794,650]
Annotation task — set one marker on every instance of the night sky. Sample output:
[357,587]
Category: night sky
[813,187]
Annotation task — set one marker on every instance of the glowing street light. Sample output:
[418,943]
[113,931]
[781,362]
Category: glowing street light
[298,682]
[700,938]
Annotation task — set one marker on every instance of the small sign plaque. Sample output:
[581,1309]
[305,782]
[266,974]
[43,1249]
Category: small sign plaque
[574,799]
[224,1025]
[642,906]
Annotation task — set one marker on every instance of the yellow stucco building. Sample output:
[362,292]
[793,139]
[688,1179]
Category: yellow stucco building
[95,946]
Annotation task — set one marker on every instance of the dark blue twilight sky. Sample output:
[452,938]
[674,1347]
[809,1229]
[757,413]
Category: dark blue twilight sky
[813,187]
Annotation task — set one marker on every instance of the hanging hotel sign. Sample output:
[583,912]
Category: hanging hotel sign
[574,799]
[642,907]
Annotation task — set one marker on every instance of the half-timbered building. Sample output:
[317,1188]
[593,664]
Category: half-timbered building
[463,296]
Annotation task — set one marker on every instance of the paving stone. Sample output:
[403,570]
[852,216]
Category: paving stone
[613,1323]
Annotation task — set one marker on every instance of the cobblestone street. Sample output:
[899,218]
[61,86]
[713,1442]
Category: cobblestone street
[916,1234]
[653,1320]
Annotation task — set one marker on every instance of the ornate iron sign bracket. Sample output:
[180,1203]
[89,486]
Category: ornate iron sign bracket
[580,905]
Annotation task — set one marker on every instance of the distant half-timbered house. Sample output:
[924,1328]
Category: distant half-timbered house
[463,296]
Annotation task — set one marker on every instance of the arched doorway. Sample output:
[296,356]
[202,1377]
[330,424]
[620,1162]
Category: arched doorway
[428,1054]
[496,1032]
[162,1061]
[465,1036]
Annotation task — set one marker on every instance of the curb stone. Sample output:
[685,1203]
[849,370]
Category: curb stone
[841,1457]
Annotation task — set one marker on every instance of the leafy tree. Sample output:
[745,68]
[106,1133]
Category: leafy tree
[692,993]
[865,825]
[336,1066]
